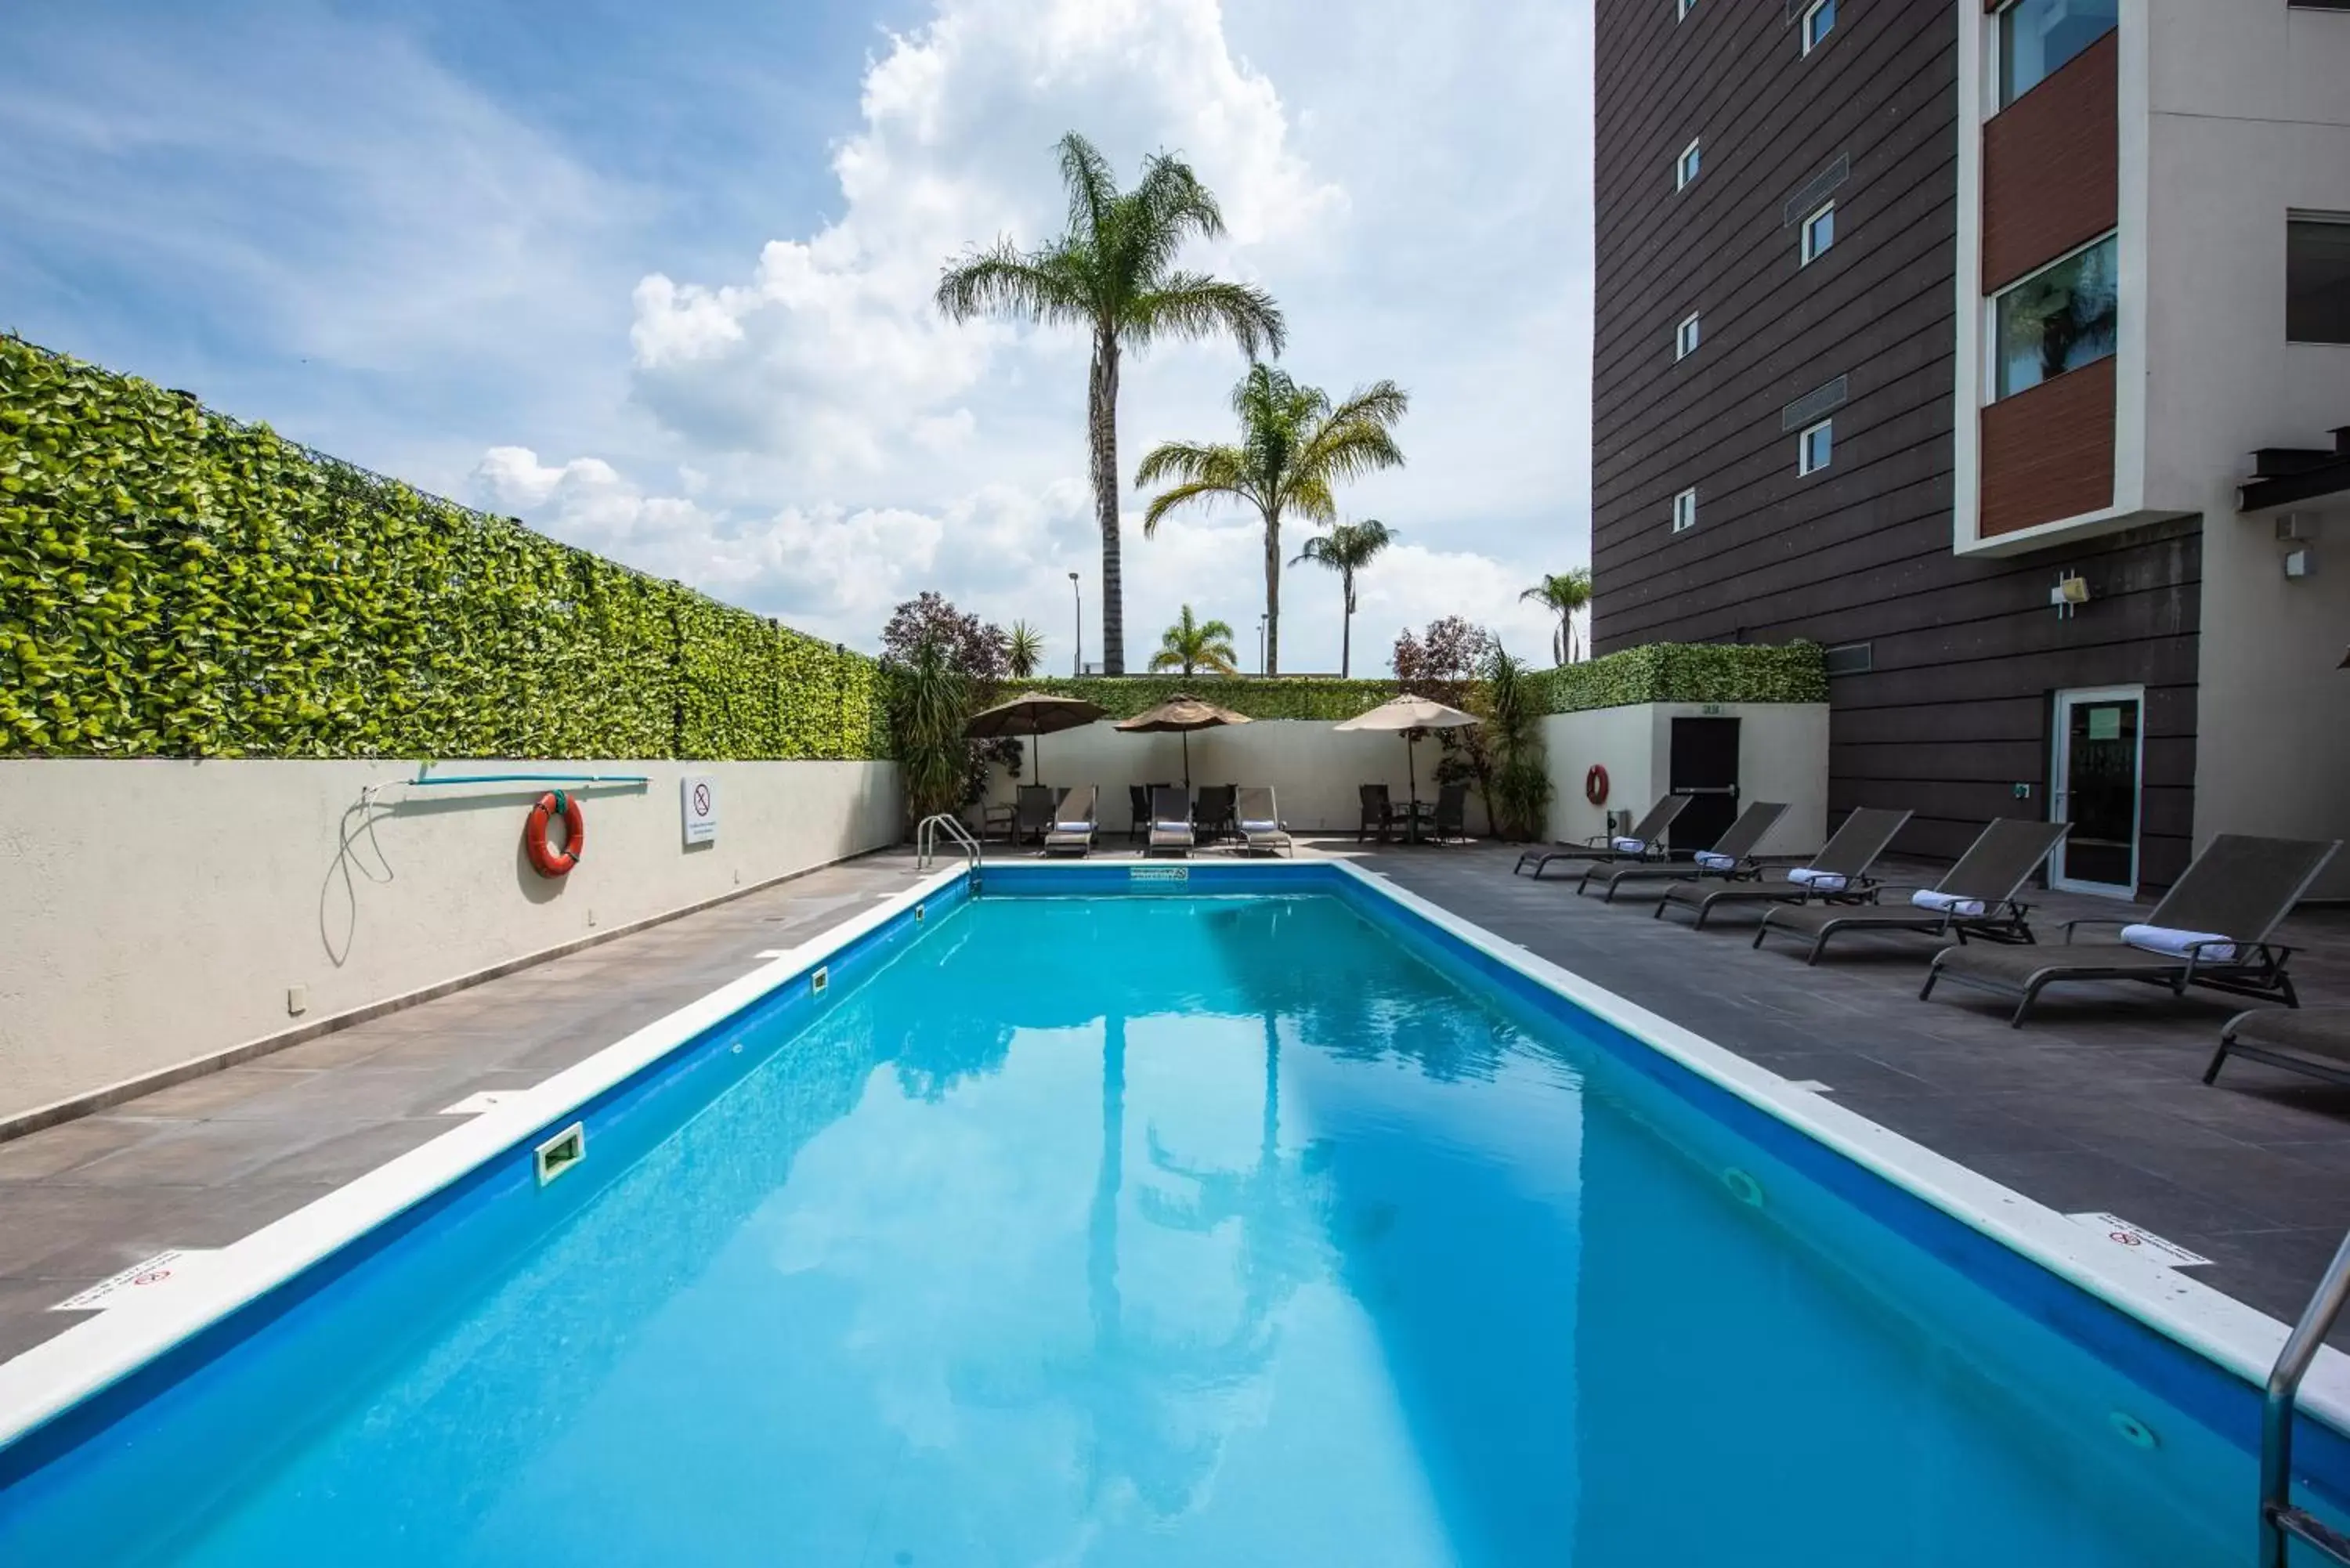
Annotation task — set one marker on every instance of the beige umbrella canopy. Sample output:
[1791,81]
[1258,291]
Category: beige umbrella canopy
[1407,715]
[1182,715]
[1034,714]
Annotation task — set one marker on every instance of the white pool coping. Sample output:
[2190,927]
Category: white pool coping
[59,1373]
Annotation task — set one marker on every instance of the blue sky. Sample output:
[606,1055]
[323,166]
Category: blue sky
[656,278]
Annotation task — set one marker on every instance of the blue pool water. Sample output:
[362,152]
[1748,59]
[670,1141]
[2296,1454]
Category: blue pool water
[1152,1232]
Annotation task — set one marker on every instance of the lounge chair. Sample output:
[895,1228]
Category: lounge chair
[1975,897]
[1260,824]
[1838,874]
[2311,1040]
[1171,820]
[1074,823]
[1731,858]
[1211,814]
[1645,841]
[1378,812]
[1451,818]
[2211,929]
[1032,813]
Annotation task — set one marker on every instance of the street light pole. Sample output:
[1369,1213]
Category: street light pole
[1077,644]
[1260,644]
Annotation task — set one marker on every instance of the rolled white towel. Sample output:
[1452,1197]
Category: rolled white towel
[1712,862]
[1073,827]
[1171,827]
[2180,944]
[1631,847]
[1818,881]
[1945,903]
[1248,827]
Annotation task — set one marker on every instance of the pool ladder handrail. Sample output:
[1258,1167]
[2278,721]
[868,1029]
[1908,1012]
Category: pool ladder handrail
[2281,1521]
[926,842]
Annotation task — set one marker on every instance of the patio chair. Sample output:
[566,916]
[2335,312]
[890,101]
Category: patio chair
[1975,897]
[2311,1040]
[1033,812]
[2211,929]
[1212,814]
[1074,823]
[1449,821]
[1138,800]
[1171,820]
[1731,858]
[1378,812]
[1838,874]
[1262,831]
[1645,841]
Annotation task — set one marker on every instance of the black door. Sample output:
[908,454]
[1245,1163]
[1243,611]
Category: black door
[1705,769]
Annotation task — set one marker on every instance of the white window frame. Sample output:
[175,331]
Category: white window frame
[1805,466]
[1685,509]
[1687,337]
[1808,251]
[1684,174]
[1682,8]
[1810,15]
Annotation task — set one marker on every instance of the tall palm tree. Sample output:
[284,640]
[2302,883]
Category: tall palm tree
[1113,274]
[1347,549]
[1563,593]
[1295,446]
[1191,645]
[1023,649]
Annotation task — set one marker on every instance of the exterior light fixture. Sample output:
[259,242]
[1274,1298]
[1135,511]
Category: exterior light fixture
[2071,592]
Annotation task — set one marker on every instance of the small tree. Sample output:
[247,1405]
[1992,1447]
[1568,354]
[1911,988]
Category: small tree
[1443,664]
[1562,594]
[975,651]
[1191,645]
[1517,784]
[1023,649]
[1347,549]
[933,704]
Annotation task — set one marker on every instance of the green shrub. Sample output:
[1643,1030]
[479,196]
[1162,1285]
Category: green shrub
[174,582]
[1689,672]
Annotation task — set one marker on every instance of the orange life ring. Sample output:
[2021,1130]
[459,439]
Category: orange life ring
[1595,785]
[549,860]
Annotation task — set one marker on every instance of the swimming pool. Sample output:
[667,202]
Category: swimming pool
[1253,1217]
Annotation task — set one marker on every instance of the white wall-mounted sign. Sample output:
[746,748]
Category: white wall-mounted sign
[698,800]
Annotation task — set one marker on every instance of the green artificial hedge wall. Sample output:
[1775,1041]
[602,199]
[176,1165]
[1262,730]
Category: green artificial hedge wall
[1278,697]
[1690,672]
[174,582]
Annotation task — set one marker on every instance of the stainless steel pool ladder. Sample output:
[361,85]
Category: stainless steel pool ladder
[2281,1521]
[926,842]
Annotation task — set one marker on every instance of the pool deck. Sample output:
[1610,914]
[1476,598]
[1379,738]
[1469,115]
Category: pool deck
[2096,1106]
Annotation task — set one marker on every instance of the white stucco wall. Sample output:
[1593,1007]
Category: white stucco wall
[157,912]
[1315,768]
[1782,755]
[2248,119]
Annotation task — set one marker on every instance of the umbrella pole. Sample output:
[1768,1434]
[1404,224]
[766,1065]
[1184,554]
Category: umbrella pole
[1186,762]
[1411,777]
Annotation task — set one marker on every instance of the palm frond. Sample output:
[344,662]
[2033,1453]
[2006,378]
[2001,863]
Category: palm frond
[1189,461]
[1093,190]
[1040,285]
[1199,490]
[1192,304]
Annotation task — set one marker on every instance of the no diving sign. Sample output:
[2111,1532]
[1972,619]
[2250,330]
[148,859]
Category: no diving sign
[698,799]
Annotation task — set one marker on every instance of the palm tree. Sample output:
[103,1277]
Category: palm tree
[1562,593]
[1347,549]
[1113,274]
[1294,446]
[1023,649]
[1192,645]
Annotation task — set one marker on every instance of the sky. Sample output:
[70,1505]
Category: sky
[658,279]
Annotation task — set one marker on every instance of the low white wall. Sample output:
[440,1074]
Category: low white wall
[1783,754]
[1315,768]
[159,911]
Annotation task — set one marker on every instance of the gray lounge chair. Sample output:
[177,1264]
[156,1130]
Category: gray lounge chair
[1450,821]
[1975,897]
[1838,874]
[1731,858]
[1260,824]
[2219,915]
[1074,822]
[1649,834]
[1171,820]
[2311,1040]
[1033,812]
[1378,812]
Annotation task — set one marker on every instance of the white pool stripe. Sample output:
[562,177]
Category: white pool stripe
[58,1372]
[2241,1338]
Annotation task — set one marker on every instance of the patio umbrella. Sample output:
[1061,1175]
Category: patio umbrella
[1035,715]
[1409,715]
[1182,715]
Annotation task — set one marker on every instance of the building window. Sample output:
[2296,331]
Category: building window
[1685,166]
[1816,448]
[2316,277]
[2060,318]
[1819,231]
[1685,337]
[1818,23]
[1685,509]
[2037,36]
[1682,8]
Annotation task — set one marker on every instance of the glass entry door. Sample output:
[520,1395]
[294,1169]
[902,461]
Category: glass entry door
[2099,759]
